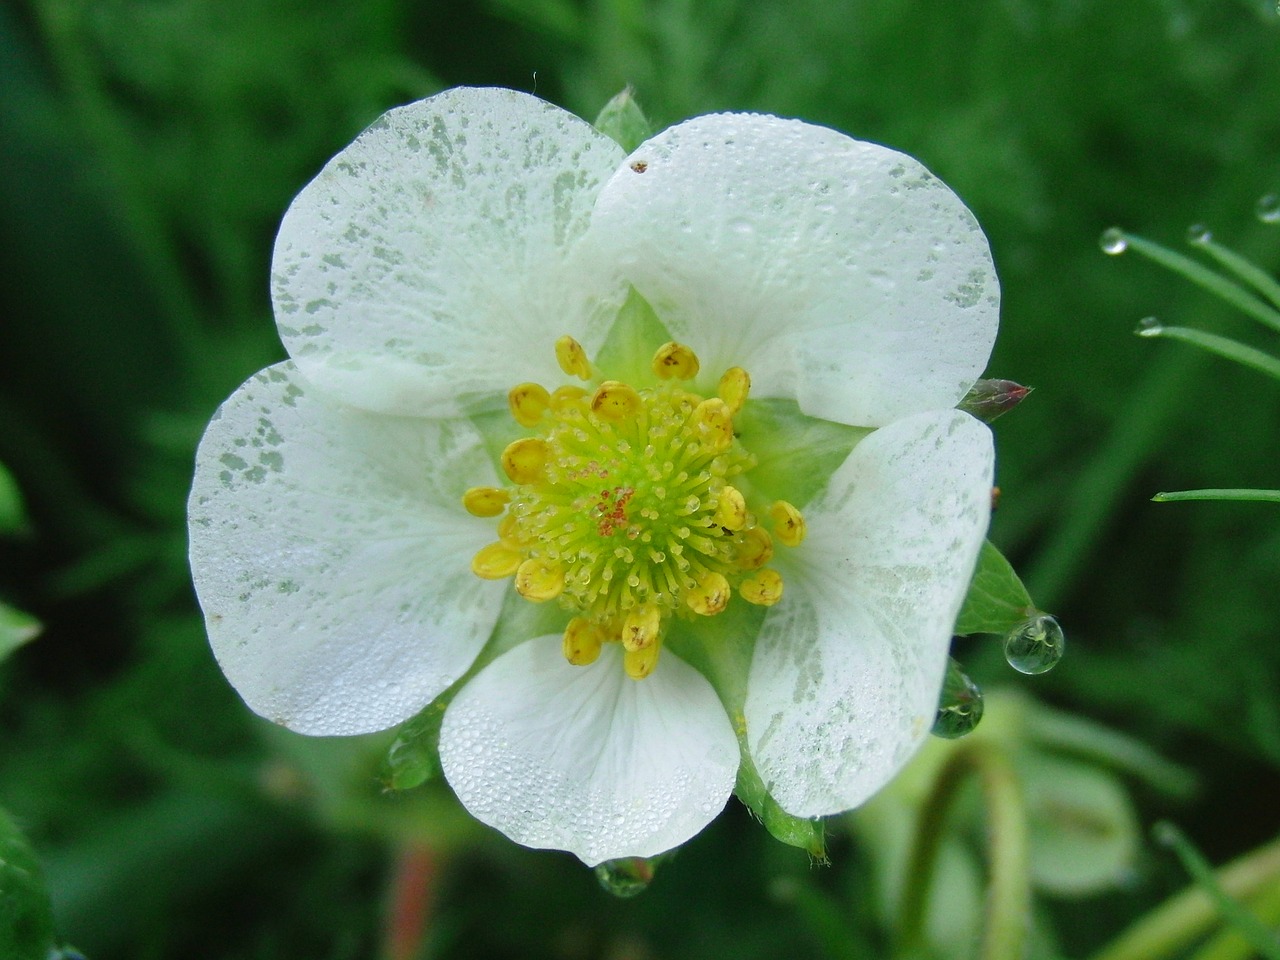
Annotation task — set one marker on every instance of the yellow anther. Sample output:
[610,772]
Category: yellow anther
[509,532]
[640,663]
[563,397]
[615,401]
[764,589]
[572,358]
[755,548]
[675,361]
[539,580]
[524,459]
[734,387]
[715,424]
[731,509]
[582,641]
[710,596]
[641,628]
[788,523]
[528,402]
[485,501]
[495,562]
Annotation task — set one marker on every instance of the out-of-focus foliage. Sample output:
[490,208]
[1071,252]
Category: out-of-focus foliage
[149,147]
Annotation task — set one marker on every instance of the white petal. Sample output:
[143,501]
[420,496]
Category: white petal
[837,272]
[331,555]
[439,256]
[848,667]
[586,759]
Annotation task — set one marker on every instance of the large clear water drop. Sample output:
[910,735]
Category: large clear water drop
[1113,241]
[959,707]
[1035,645]
[627,876]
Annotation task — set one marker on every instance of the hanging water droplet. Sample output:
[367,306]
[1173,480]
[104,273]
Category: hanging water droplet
[1113,241]
[1268,208]
[1199,234]
[959,707]
[627,876]
[1149,327]
[1035,645]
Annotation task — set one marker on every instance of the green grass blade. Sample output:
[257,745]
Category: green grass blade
[1221,346]
[1172,496]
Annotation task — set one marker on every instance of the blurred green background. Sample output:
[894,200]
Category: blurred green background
[148,149]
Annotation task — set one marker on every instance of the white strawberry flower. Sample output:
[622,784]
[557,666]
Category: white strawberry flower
[696,401]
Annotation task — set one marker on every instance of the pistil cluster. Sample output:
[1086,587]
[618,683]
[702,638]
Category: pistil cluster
[630,506]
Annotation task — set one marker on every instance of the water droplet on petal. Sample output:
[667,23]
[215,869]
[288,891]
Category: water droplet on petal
[1035,645]
[1268,208]
[1113,241]
[1149,327]
[626,877]
[959,707]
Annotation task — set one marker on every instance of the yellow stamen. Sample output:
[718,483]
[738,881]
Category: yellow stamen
[582,641]
[710,596]
[734,387]
[715,423]
[495,562]
[572,358]
[731,510]
[539,580]
[641,628]
[524,459]
[788,523]
[509,532]
[485,501]
[640,663]
[675,361]
[562,397]
[755,548]
[764,589]
[528,402]
[615,401]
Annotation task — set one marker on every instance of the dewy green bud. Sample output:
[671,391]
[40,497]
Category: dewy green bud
[623,121]
[988,399]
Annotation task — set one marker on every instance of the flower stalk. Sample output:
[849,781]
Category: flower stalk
[1008,903]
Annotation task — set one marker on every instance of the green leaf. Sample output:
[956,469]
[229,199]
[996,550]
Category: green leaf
[997,601]
[414,757]
[26,919]
[622,120]
[12,515]
[16,628]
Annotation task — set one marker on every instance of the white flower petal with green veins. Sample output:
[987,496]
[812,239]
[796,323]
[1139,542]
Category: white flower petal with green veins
[586,759]
[436,258]
[845,678]
[840,273]
[325,546]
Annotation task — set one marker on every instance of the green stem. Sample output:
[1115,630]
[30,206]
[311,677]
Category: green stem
[1167,930]
[1206,279]
[1220,346]
[1229,944]
[1245,269]
[1008,906]
[1172,496]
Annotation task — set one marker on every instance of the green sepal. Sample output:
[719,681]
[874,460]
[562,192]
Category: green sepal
[414,756]
[26,918]
[623,121]
[997,601]
[16,628]
[808,835]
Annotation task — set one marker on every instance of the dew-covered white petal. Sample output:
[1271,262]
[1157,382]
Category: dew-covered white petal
[331,555]
[847,670]
[586,759]
[837,272]
[434,261]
